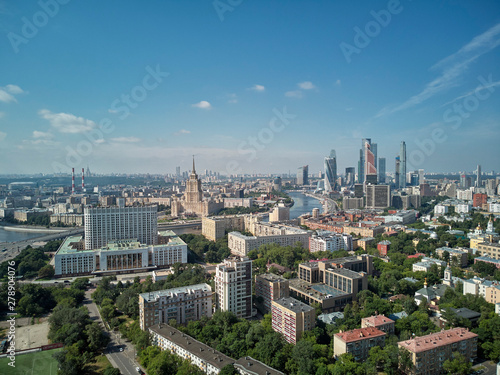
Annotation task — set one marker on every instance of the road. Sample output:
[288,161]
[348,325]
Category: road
[14,248]
[123,360]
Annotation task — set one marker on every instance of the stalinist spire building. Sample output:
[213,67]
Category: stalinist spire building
[192,202]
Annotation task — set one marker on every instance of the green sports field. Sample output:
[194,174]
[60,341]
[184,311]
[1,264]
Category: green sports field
[38,363]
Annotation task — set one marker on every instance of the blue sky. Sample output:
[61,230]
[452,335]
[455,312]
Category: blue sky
[247,86]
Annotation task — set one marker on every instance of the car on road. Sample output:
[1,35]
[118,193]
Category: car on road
[138,369]
[121,349]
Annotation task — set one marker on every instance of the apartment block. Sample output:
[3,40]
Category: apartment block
[462,256]
[489,249]
[358,342]
[291,318]
[332,242]
[233,286]
[379,321]
[183,304]
[270,287]
[429,352]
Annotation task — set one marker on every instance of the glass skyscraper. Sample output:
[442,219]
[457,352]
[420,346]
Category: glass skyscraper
[330,172]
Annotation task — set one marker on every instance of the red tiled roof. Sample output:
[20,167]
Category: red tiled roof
[434,340]
[360,334]
[377,320]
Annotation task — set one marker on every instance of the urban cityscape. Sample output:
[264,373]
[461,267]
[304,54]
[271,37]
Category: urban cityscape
[233,187]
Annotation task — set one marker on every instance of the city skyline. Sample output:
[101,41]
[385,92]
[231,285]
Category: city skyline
[81,86]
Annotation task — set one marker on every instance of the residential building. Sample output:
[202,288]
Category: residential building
[233,286]
[270,287]
[358,342]
[485,259]
[489,249]
[291,318]
[105,224]
[479,199]
[183,304]
[381,322]
[330,242]
[461,256]
[429,352]
[279,213]
[378,196]
[492,293]
[426,263]
[349,203]
[383,247]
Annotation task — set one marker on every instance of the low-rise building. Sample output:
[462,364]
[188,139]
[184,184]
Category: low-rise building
[383,247]
[183,304]
[291,318]
[429,352]
[489,249]
[381,322]
[358,342]
[426,263]
[462,256]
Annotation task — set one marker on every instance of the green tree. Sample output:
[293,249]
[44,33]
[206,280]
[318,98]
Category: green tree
[228,370]
[46,271]
[110,370]
[457,365]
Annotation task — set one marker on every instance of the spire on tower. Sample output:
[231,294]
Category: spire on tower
[194,171]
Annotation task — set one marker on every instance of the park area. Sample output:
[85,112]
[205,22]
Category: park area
[37,363]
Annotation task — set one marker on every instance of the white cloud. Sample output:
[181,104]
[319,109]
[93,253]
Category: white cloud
[182,131]
[338,82]
[2,136]
[6,97]
[259,88]
[452,68]
[294,94]
[203,105]
[232,98]
[67,122]
[39,134]
[126,139]
[14,89]
[307,85]
[477,89]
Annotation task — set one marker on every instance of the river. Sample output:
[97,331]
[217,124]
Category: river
[11,236]
[303,204]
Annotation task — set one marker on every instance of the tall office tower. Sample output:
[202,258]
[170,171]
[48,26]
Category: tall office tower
[330,172]
[350,175]
[402,155]
[233,286]
[378,196]
[361,163]
[421,178]
[303,175]
[478,176]
[276,184]
[104,224]
[373,148]
[370,171]
[381,170]
[178,171]
[397,173]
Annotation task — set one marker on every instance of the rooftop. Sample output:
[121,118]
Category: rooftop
[360,334]
[271,277]
[189,344]
[69,246]
[252,366]
[428,342]
[152,296]
[293,304]
[317,291]
[377,320]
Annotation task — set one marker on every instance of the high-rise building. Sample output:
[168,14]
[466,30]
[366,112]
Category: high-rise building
[183,304]
[421,178]
[362,161]
[291,318]
[478,176]
[276,184]
[303,175]
[177,171]
[104,224]
[330,172]
[350,175]
[369,168]
[397,173]
[378,196]
[270,287]
[373,148]
[381,170]
[233,286]
[402,155]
